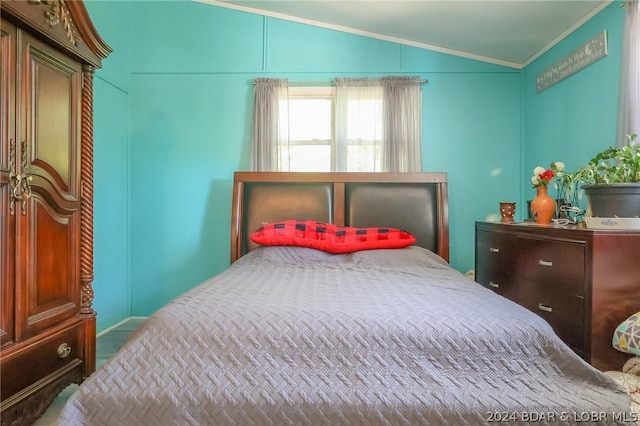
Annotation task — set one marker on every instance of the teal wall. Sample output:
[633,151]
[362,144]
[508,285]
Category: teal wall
[173,116]
[112,285]
[576,118]
[191,107]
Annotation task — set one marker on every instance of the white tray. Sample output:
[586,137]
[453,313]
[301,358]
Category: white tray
[613,222]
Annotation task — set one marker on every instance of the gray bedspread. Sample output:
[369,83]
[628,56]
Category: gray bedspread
[297,336]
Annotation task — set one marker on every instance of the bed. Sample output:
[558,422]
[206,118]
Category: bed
[291,335]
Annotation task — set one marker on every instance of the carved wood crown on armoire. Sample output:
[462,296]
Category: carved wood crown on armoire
[49,50]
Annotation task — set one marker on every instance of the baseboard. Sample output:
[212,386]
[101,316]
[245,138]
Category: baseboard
[119,324]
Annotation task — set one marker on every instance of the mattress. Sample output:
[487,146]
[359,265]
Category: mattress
[293,336]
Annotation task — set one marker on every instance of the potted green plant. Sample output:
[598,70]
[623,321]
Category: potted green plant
[611,181]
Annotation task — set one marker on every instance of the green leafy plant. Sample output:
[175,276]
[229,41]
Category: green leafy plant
[612,165]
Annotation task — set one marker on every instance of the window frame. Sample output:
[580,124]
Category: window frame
[317,92]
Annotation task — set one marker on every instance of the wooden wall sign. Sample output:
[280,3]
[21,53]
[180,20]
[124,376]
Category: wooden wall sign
[583,56]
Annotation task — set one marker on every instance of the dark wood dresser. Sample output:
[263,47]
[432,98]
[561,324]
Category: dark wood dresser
[49,50]
[584,282]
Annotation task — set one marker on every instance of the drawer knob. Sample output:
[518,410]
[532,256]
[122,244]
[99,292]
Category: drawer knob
[64,350]
[545,262]
[494,285]
[494,250]
[545,308]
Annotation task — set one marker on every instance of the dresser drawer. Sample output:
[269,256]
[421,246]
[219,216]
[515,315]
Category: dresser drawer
[559,263]
[563,311]
[498,280]
[495,249]
[26,367]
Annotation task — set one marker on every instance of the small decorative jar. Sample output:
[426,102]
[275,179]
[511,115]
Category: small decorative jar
[507,210]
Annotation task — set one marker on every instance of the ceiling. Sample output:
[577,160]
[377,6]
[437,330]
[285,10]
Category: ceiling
[510,32]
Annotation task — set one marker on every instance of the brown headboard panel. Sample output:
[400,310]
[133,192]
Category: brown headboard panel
[265,202]
[408,206]
[415,202]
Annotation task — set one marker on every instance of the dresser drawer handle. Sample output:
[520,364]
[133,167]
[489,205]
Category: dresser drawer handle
[545,308]
[494,250]
[545,262]
[494,285]
[64,350]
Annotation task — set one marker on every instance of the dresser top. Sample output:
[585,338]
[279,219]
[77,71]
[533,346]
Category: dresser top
[533,227]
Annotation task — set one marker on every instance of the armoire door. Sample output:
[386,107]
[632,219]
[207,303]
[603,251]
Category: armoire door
[48,217]
[7,169]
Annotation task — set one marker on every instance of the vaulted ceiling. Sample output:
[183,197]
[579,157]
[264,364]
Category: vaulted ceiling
[510,32]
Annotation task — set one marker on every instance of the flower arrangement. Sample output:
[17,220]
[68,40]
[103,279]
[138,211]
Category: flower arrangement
[542,176]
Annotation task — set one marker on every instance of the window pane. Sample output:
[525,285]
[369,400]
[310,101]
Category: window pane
[310,158]
[364,158]
[310,119]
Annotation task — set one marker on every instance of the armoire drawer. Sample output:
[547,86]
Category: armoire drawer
[37,361]
[556,262]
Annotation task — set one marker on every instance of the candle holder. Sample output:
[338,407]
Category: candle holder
[507,210]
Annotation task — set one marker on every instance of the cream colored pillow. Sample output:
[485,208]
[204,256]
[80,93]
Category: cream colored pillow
[631,384]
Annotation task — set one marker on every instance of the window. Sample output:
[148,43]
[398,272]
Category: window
[311,129]
[358,125]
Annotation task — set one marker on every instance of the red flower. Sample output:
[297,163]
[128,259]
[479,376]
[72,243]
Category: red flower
[547,175]
[542,176]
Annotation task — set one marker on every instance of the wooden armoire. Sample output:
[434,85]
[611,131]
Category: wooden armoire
[49,50]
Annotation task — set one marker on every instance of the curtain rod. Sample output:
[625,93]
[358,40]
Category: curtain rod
[322,83]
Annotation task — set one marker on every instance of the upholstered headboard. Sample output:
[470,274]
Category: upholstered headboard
[414,202]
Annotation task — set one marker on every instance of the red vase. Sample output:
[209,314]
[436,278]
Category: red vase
[543,206]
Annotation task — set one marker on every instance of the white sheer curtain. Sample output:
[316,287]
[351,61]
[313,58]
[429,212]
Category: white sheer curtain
[378,124]
[402,117]
[629,97]
[270,131]
[358,125]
